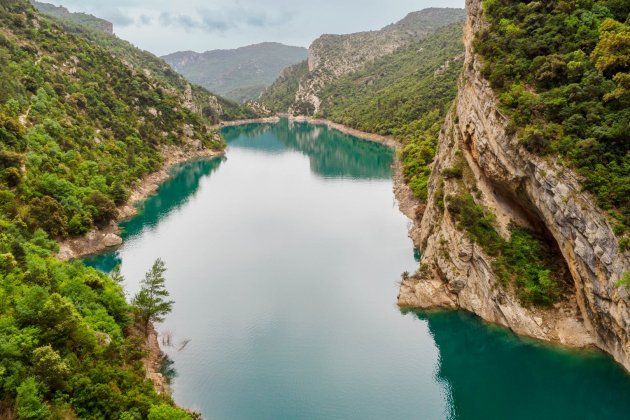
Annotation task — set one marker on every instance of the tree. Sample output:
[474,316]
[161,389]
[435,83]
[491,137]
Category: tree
[150,303]
[48,214]
[116,275]
[102,208]
[50,367]
[29,403]
[166,412]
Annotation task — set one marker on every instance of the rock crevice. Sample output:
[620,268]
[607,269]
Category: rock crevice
[531,191]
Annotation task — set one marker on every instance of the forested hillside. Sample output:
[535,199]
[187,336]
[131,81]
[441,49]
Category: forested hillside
[330,57]
[64,15]
[562,70]
[197,98]
[405,94]
[78,127]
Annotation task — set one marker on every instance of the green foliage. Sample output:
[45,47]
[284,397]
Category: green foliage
[82,19]
[50,367]
[453,172]
[29,403]
[167,412]
[84,27]
[64,343]
[150,302]
[76,134]
[562,72]
[525,261]
[624,280]
[405,95]
[78,126]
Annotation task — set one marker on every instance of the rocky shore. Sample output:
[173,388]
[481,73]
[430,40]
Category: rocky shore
[108,237]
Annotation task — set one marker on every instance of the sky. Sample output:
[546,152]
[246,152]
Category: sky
[165,26]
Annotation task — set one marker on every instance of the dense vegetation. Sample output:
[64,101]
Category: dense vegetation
[78,127]
[65,344]
[405,95]
[213,108]
[562,70]
[281,94]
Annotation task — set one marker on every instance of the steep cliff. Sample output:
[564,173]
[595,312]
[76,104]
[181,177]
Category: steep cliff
[519,188]
[333,56]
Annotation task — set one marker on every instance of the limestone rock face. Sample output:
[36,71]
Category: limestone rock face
[332,56]
[531,191]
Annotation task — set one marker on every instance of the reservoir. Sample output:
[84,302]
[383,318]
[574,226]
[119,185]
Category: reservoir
[283,260]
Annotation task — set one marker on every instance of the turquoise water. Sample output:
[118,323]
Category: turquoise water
[283,260]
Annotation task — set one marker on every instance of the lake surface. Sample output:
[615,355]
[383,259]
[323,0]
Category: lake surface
[283,260]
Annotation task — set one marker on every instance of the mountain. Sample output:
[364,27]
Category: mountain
[527,213]
[332,56]
[79,126]
[238,74]
[65,15]
[405,95]
[199,99]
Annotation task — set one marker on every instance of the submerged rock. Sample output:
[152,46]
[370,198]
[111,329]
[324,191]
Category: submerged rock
[111,239]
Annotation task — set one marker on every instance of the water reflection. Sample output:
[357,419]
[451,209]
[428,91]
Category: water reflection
[285,298]
[177,191]
[492,374]
[331,153]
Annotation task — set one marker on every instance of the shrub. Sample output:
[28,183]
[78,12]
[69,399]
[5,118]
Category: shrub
[525,261]
[46,213]
[101,207]
[167,412]
[453,172]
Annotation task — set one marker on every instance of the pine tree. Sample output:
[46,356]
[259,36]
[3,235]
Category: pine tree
[151,302]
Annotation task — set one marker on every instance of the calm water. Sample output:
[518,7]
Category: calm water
[283,260]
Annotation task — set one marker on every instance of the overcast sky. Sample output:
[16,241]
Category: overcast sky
[165,26]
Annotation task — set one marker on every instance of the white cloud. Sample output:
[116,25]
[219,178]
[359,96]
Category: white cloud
[164,26]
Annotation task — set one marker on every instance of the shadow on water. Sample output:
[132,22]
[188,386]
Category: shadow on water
[332,154]
[171,195]
[492,374]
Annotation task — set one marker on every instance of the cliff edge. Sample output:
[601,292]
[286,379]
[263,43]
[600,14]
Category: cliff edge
[520,189]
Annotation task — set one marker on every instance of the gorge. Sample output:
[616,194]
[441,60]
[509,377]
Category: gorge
[482,153]
[249,336]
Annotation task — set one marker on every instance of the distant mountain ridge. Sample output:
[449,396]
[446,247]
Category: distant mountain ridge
[84,19]
[238,74]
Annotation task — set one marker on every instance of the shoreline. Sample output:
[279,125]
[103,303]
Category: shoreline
[107,238]
[261,120]
[102,239]
[363,135]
